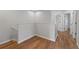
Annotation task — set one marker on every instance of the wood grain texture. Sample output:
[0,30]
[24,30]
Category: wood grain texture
[63,41]
[36,42]
[9,45]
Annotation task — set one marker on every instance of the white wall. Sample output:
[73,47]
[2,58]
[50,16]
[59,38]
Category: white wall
[53,27]
[60,22]
[72,22]
[12,18]
[74,25]
[42,17]
[24,17]
[25,31]
[27,23]
[77,40]
[6,18]
[42,21]
[43,30]
[31,23]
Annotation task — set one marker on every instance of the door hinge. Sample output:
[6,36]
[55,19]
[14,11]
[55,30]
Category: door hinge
[75,33]
[75,22]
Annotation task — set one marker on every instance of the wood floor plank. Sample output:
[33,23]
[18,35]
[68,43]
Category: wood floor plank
[43,44]
[63,41]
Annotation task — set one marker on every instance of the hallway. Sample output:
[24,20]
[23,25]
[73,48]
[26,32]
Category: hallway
[65,40]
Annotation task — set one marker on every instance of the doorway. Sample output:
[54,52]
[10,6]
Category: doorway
[59,22]
[67,22]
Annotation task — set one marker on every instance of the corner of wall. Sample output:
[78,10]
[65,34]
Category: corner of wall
[48,38]
[20,41]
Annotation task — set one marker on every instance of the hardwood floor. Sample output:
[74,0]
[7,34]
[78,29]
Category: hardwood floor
[9,45]
[36,42]
[64,40]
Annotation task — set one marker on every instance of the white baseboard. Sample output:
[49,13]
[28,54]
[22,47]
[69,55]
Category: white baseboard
[77,45]
[25,39]
[46,37]
[33,36]
[52,40]
[5,41]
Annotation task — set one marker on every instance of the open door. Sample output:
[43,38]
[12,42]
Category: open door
[59,23]
[67,22]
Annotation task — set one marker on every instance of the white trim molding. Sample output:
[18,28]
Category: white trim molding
[5,41]
[25,39]
[48,38]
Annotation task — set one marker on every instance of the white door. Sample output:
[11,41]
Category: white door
[59,23]
[67,22]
